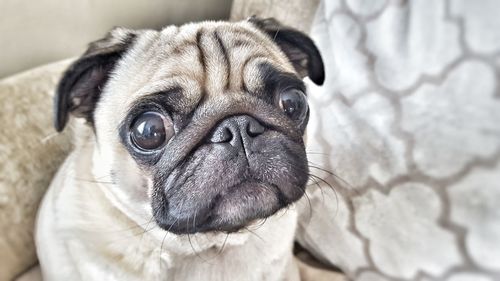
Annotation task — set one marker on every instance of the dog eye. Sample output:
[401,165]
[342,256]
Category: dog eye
[294,103]
[151,130]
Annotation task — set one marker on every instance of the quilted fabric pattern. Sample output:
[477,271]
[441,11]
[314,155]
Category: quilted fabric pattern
[408,121]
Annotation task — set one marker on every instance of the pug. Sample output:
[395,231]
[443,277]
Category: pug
[188,155]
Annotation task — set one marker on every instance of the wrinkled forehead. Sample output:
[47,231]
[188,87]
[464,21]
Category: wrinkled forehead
[204,60]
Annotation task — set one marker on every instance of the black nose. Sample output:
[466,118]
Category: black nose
[237,130]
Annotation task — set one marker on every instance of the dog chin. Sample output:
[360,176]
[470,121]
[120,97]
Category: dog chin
[233,211]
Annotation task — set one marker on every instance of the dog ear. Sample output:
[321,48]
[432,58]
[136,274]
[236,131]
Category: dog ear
[80,87]
[298,47]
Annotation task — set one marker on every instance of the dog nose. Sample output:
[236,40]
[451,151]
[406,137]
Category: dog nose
[236,130]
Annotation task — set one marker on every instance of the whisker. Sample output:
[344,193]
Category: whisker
[48,137]
[254,233]
[94,181]
[323,181]
[162,241]
[223,245]
[161,248]
[137,225]
[317,153]
[191,243]
[308,200]
[194,219]
[317,183]
[146,229]
[257,226]
[342,181]
[331,187]
[320,168]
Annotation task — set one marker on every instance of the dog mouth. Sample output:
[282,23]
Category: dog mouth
[228,214]
[230,211]
[228,195]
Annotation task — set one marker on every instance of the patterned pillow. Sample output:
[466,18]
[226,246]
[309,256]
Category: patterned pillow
[408,124]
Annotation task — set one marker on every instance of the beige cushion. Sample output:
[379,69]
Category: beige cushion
[30,152]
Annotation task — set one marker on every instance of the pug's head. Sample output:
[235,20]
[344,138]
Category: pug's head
[199,126]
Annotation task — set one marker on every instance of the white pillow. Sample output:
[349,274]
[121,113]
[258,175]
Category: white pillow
[409,122]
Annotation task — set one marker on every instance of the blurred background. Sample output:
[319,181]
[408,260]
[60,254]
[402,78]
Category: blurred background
[36,32]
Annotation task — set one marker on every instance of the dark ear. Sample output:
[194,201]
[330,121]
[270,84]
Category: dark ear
[297,46]
[82,83]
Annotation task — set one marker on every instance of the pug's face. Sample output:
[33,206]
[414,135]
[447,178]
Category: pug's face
[199,126]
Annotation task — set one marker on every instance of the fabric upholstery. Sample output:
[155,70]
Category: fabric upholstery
[30,153]
[409,122]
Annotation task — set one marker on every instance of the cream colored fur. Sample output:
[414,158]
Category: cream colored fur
[82,235]
[90,229]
